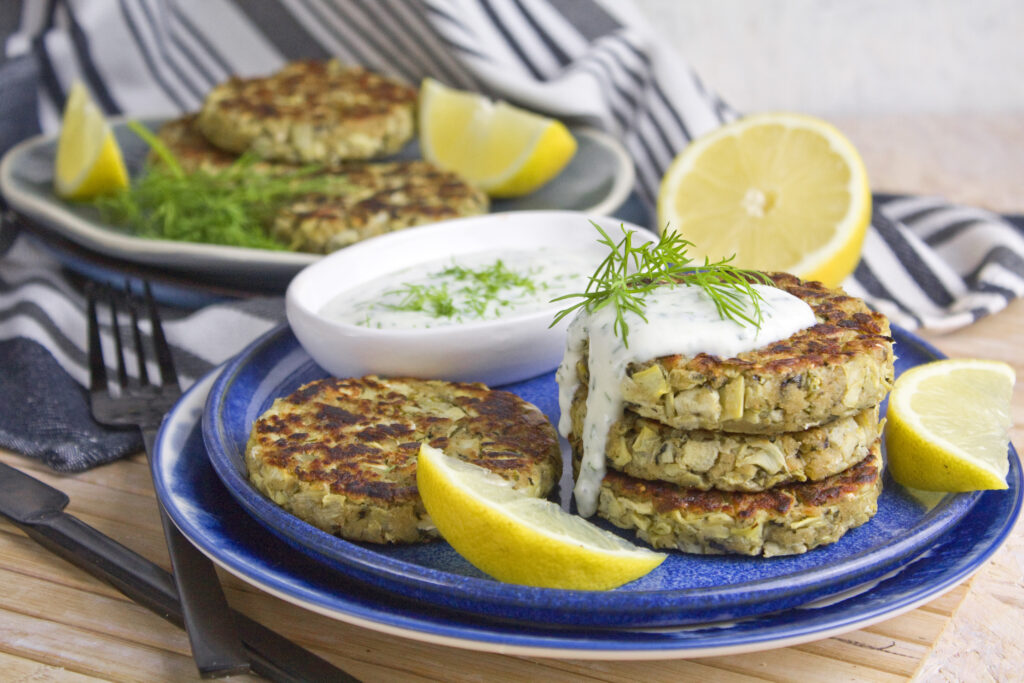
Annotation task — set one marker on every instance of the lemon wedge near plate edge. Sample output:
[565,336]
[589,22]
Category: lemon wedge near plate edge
[520,539]
[948,425]
[89,162]
[783,192]
[504,150]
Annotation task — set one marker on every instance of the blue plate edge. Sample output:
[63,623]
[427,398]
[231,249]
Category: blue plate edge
[616,606]
[611,642]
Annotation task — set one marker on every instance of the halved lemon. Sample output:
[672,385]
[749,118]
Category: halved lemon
[948,425]
[783,192]
[504,150]
[520,539]
[89,161]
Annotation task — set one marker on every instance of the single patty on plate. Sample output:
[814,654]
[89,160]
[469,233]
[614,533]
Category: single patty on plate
[784,520]
[341,453]
[380,197]
[311,112]
[836,368]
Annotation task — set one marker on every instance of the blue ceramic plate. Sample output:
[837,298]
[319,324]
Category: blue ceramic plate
[198,503]
[597,180]
[685,589]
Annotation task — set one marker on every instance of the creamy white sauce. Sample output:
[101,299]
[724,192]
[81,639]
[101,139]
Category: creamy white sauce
[453,290]
[680,320]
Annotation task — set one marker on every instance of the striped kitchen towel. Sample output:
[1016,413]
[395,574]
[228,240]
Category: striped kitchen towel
[925,262]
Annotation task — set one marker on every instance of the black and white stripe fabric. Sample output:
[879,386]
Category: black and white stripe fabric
[930,264]
[925,263]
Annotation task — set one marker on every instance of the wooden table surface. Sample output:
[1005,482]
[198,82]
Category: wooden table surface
[58,623]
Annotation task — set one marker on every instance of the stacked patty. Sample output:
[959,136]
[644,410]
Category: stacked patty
[340,119]
[773,452]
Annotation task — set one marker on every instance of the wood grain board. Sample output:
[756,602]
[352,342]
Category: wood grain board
[57,619]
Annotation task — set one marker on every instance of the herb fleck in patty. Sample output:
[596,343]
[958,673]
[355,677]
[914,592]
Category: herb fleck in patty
[341,453]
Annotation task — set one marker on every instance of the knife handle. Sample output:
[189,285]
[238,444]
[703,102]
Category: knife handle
[141,580]
[150,585]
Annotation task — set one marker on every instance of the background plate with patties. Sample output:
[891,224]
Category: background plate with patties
[597,181]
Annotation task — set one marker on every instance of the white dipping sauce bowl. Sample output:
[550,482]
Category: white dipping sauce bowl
[494,352]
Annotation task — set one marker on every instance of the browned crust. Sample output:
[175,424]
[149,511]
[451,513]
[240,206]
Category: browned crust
[311,111]
[845,327]
[728,461]
[360,437]
[367,198]
[381,197]
[316,91]
[193,151]
[836,368]
[667,498]
[785,520]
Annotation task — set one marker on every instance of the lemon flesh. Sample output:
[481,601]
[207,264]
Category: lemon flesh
[89,161]
[948,426]
[504,150]
[519,539]
[783,192]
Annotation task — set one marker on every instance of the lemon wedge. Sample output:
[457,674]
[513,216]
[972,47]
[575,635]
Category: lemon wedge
[783,192]
[948,426]
[520,539]
[504,150]
[89,162]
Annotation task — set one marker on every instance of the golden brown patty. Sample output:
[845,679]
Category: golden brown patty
[367,198]
[380,198]
[311,112]
[784,520]
[193,151]
[839,367]
[729,461]
[341,453]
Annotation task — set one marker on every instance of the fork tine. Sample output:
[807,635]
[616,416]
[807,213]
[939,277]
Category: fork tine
[140,353]
[97,369]
[163,349]
[115,329]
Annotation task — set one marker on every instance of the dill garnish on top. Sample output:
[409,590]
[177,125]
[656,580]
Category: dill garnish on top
[232,206]
[630,272]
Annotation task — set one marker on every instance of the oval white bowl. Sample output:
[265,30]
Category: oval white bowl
[495,352]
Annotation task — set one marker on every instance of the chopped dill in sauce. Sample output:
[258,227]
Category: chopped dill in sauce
[463,289]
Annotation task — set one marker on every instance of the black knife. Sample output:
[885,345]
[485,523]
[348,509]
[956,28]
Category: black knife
[38,510]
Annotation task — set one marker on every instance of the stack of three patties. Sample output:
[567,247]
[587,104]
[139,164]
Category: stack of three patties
[774,452]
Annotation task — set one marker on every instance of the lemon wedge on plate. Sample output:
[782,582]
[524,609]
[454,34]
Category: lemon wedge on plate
[517,538]
[783,192]
[89,162]
[948,424]
[504,150]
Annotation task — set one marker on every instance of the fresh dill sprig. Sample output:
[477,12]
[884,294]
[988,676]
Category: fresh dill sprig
[630,272]
[232,206]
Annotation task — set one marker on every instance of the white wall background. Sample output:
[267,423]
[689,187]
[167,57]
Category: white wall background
[852,57]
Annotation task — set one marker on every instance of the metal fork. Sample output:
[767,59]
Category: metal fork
[212,632]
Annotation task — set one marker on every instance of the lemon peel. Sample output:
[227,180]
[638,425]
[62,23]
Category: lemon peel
[784,192]
[89,162]
[504,150]
[948,425]
[520,539]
